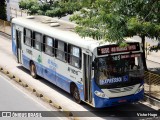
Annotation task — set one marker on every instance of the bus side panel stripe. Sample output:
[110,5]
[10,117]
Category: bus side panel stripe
[63,82]
[97,101]
[49,74]
[26,61]
[81,91]
[14,47]
[39,69]
[55,78]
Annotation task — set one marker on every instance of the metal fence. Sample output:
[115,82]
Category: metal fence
[152,84]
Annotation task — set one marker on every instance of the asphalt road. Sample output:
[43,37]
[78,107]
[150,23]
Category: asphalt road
[14,99]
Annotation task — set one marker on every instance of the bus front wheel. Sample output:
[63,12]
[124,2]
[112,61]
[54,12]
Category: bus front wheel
[33,70]
[76,95]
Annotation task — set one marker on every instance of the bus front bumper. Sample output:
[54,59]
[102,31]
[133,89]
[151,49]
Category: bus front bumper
[104,102]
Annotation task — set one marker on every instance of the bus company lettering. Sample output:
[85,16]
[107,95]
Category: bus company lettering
[111,80]
[72,71]
[29,51]
[52,64]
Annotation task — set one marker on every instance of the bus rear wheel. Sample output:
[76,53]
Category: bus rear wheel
[33,70]
[76,95]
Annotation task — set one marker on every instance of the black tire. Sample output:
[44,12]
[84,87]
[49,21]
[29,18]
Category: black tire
[33,70]
[76,95]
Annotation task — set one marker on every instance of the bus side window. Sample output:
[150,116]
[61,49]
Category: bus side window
[74,56]
[61,48]
[27,37]
[37,41]
[49,45]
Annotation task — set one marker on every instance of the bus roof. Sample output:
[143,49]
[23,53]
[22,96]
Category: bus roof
[58,29]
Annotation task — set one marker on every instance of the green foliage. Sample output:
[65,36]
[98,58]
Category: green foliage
[113,20]
[52,8]
[3,15]
[117,19]
[104,19]
[108,20]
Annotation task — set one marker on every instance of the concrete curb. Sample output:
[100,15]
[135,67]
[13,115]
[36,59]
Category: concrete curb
[24,84]
[10,75]
[65,112]
[31,89]
[46,99]
[38,94]
[5,34]
[55,105]
[5,71]
[17,79]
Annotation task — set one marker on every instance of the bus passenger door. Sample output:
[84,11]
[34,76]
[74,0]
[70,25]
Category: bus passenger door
[87,78]
[19,45]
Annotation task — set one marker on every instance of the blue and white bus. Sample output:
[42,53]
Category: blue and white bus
[100,74]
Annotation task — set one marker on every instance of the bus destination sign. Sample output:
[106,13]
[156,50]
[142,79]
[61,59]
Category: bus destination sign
[116,49]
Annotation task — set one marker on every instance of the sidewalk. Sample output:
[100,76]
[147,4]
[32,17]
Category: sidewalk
[5,27]
[154,56]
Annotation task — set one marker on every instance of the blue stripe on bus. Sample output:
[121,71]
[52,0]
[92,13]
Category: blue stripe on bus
[26,61]
[104,102]
[64,83]
[52,76]
[14,47]
[81,91]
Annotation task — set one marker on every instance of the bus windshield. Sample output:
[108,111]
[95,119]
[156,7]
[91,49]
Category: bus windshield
[120,70]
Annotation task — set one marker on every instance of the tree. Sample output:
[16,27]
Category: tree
[108,20]
[113,20]
[52,8]
[3,10]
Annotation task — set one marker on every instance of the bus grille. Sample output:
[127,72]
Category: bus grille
[124,89]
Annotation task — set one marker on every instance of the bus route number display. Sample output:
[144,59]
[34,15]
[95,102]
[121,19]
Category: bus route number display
[116,49]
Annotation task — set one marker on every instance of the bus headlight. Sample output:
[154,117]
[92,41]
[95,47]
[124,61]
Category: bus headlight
[100,94]
[139,89]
